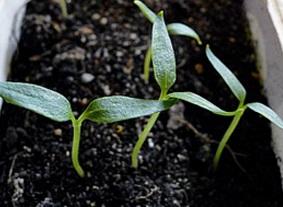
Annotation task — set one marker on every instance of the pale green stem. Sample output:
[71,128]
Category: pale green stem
[142,138]
[63,6]
[75,147]
[146,67]
[226,137]
[145,132]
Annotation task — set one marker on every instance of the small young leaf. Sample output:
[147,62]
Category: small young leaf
[117,108]
[38,99]
[230,79]
[150,15]
[267,113]
[184,30]
[199,101]
[163,58]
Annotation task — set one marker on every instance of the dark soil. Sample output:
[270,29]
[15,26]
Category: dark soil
[108,39]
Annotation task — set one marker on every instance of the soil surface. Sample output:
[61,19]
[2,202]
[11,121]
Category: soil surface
[99,51]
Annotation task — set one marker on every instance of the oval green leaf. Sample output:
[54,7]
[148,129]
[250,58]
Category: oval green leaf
[150,15]
[184,30]
[266,112]
[37,99]
[163,58]
[200,101]
[118,108]
[234,84]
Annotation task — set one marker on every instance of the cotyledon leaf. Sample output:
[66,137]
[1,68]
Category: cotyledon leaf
[266,112]
[150,15]
[199,101]
[184,30]
[38,99]
[173,28]
[234,84]
[117,108]
[163,58]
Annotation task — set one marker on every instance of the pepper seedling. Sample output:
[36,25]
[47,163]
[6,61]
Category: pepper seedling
[240,93]
[164,67]
[173,29]
[56,107]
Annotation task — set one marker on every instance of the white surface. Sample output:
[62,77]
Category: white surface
[11,14]
[266,21]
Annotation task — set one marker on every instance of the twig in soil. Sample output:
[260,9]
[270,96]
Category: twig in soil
[183,191]
[12,168]
[143,197]
[206,139]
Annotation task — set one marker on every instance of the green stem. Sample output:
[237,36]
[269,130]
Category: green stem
[226,137]
[146,67]
[75,147]
[64,9]
[145,132]
[142,138]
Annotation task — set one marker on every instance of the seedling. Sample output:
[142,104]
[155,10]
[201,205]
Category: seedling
[240,93]
[164,67]
[173,29]
[117,108]
[56,107]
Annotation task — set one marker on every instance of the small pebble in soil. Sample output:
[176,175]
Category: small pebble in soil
[87,78]
[84,102]
[150,143]
[158,147]
[119,54]
[95,17]
[133,36]
[199,68]
[103,21]
[58,132]
[106,90]
[27,149]
[182,157]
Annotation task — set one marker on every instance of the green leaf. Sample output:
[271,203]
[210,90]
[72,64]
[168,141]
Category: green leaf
[163,58]
[184,30]
[150,15]
[199,101]
[117,108]
[38,99]
[234,84]
[266,112]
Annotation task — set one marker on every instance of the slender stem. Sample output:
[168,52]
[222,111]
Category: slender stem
[226,137]
[142,138]
[146,66]
[64,9]
[145,132]
[75,147]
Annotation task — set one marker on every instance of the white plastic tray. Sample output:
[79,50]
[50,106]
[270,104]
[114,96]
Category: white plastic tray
[266,22]
[11,14]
